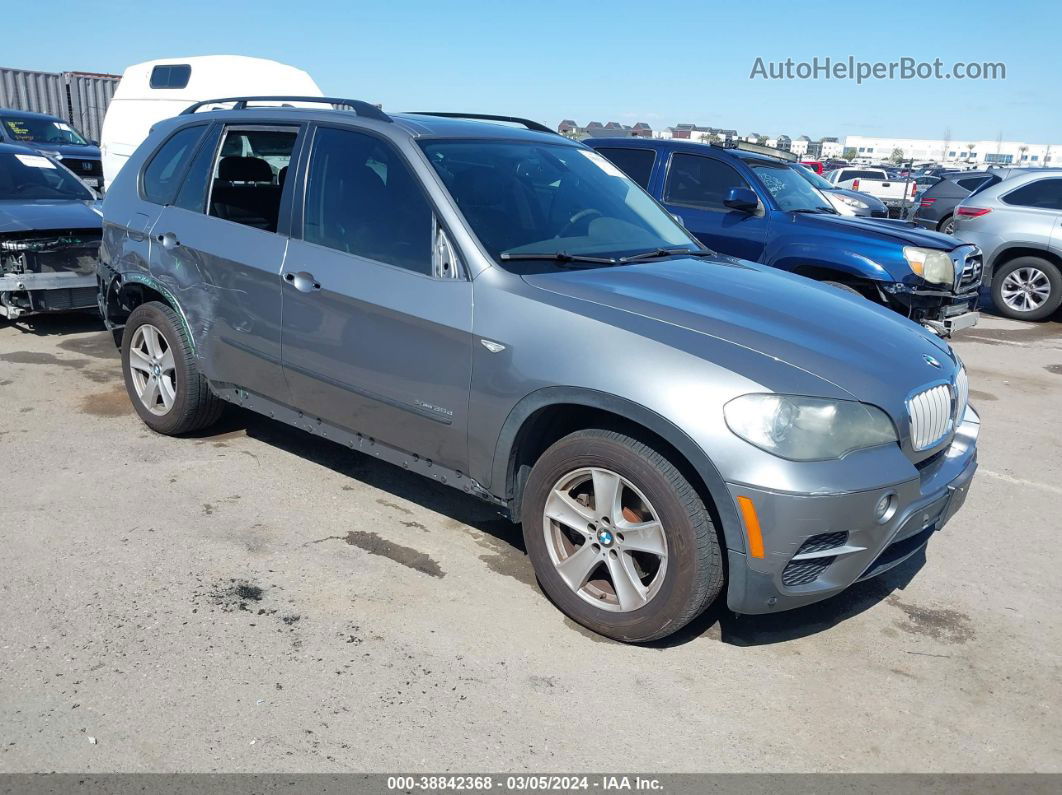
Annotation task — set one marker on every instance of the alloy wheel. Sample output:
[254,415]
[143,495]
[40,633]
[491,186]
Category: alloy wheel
[152,368]
[1025,289]
[605,539]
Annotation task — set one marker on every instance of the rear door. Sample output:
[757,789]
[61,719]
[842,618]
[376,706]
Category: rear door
[375,340]
[695,188]
[221,242]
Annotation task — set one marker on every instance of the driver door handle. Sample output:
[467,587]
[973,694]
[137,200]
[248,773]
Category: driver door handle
[302,281]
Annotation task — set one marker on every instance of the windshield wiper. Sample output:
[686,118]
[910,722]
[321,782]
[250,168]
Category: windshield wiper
[668,252]
[816,210]
[556,256]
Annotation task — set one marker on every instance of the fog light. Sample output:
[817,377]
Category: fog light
[885,508]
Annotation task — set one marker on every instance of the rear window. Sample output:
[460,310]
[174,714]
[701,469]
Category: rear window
[635,163]
[971,183]
[174,75]
[1045,194]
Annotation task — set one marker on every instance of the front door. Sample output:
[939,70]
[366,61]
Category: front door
[694,190]
[373,340]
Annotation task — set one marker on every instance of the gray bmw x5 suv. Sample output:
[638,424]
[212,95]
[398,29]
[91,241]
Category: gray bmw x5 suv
[505,312]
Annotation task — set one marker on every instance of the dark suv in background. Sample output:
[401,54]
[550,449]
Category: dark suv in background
[936,206]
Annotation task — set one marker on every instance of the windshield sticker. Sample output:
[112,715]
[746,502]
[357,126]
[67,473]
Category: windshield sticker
[64,126]
[35,161]
[603,163]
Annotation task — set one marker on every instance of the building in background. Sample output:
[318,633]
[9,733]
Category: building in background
[955,153]
[612,129]
[78,98]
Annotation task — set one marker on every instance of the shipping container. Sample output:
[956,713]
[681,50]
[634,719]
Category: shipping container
[79,98]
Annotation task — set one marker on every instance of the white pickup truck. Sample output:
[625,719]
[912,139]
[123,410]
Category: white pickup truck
[896,194]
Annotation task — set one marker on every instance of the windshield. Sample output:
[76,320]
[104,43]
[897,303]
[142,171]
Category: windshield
[30,176]
[790,189]
[532,198]
[814,178]
[41,131]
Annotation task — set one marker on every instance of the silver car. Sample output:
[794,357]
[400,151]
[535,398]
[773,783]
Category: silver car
[503,311]
[1017,224]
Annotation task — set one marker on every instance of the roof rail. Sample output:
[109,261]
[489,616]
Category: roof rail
[760,149]
[531,125]
[365,109]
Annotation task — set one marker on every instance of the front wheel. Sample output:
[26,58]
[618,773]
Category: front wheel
[161,377]
[1027,288]
[620,540]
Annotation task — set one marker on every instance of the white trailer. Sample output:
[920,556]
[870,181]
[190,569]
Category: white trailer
[159,89]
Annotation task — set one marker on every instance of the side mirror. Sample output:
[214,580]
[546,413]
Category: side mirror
[743,199]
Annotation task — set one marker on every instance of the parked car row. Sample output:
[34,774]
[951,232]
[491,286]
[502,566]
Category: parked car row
[509,313]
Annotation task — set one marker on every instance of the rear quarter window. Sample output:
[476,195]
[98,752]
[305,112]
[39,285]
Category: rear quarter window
[164,170]
[1045,194]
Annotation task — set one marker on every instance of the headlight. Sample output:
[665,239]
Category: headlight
[806,428]
[853,202]
[932,265]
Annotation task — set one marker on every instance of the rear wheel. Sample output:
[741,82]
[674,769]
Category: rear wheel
[161,377]
[1027,288]
[947,226]
[620,540]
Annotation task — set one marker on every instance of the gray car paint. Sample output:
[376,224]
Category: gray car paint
[665,344]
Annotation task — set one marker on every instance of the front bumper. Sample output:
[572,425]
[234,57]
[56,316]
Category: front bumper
[30,293]
[815,546]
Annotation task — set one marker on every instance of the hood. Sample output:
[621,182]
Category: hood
[45,214]
[89,152]
[863,349]
[902,233]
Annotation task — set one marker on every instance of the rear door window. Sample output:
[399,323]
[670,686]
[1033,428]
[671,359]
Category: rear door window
[636,163]
[166,167]
[249,176]
[970,183]
[703,182]
[1046,194]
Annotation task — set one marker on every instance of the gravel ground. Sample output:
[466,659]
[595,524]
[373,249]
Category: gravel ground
[259,600]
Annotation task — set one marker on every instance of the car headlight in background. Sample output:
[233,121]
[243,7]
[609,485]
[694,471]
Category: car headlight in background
[805,428]
[934,266]
[853,202]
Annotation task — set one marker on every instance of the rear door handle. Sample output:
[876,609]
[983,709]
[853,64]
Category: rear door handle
[169,240]
[302,281]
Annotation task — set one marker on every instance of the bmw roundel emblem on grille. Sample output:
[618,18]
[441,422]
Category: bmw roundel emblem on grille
[931,361]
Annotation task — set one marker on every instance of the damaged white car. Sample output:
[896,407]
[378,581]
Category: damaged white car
[50,228]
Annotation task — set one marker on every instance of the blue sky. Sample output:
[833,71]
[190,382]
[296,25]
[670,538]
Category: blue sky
[657,61]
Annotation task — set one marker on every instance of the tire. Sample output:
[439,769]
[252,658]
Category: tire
[177,398]
[947,225]
[672,590]
[1027,288]
[846,288]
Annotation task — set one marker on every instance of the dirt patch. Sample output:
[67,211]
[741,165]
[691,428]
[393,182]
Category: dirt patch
[506,559]
[947,626]
[29,357]
[112,403]
[1024,334]
[98,346]
[977,394]
[1054,368]
[233,594]
[394,506]
[375,545]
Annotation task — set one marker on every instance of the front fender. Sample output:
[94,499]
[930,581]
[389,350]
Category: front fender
[811,257]
[503,474]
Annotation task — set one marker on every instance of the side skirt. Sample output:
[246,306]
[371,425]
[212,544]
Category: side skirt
[355,441]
